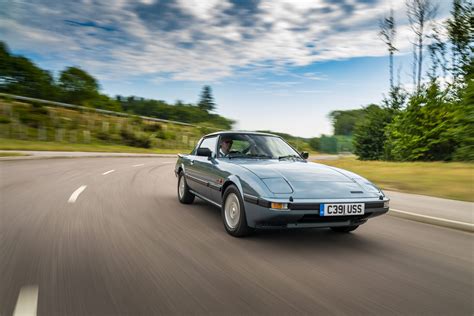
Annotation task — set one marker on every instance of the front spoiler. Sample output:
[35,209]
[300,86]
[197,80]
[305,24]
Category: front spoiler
[264,218]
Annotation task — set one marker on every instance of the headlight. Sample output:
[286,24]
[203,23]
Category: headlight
[277,185]
[386,204]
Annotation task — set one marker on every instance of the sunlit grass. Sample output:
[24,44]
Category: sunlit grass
[11,154]
[14,144]
[453,180]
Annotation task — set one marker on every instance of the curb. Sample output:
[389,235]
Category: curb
[468,227]
[32,157]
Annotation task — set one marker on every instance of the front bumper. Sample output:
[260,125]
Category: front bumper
[306,215]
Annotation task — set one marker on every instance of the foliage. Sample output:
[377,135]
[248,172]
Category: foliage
[436,121]
[314,143]
[369,135]
[345,121]
[206,102]
[20,76]
[424,130]
[464,120]
[78,87]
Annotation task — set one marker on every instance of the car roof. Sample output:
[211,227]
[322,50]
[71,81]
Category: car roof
[240,132]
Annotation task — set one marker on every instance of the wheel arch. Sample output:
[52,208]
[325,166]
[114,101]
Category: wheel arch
[232,180]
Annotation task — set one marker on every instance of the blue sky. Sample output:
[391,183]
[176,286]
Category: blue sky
[281,65]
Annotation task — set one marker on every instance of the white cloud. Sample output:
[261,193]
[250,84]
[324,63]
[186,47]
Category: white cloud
[207,42]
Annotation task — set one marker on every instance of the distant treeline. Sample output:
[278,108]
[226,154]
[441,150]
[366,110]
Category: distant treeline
[435,119]
[20,76]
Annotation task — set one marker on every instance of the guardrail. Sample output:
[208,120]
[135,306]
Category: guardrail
[122,114]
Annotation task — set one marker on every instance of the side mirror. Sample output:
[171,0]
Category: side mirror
[204,152]
[305,154]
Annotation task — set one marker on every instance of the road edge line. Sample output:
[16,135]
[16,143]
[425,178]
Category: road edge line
[27,302]
[432,220]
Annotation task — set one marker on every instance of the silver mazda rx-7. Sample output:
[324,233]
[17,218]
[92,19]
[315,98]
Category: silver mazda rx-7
[259,181]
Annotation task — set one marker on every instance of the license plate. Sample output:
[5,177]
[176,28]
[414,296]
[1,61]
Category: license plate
[341,209]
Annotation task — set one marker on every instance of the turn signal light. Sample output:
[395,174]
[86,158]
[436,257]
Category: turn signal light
[279,206]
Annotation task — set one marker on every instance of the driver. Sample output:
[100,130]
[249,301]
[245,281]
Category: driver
[226,144]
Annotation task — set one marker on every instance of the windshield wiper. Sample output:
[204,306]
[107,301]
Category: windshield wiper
[260,156]
[289,156]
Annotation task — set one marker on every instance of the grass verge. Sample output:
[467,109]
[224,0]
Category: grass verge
[14,144]
[11,154]
[452,180]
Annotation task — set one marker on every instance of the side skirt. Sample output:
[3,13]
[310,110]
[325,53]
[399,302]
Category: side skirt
[205,199]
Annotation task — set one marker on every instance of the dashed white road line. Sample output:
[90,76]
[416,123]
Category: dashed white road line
[27,302]
[139,165]
[75,194]
[107,172]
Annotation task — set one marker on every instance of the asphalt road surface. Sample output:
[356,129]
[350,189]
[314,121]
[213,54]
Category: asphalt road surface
[77,238]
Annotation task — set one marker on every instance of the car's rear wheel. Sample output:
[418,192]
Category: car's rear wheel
[184,195]
[344,229]
[233,213]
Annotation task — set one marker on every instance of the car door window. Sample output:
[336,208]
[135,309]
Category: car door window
[210,143]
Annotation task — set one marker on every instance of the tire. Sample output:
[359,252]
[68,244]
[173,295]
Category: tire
[344,229]
[184,195]
[233,213]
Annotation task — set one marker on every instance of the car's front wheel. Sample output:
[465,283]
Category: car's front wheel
[344,229]
[184,195]
[233,213]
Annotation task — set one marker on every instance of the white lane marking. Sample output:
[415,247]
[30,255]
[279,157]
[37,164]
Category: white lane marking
[27,302]
[139,165]
[107,172]
[464,225]
[75,194]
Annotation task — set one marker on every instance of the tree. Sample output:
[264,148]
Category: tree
[344,121]
[461,34]
[18,75]
[424,131]
[369,135]
[464,118]
[388,33]
[78,87]
[420,14]
[206,101]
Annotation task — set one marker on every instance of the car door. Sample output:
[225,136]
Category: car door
[200,167]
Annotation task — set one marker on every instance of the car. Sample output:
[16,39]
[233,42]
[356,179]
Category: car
[259,181]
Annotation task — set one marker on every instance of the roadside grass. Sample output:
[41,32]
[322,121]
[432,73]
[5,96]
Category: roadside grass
[452,180]
[11,154]
[15,144]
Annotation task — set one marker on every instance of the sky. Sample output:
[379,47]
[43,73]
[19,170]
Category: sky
[280,65]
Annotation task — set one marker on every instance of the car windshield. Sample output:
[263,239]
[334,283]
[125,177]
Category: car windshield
[255,146]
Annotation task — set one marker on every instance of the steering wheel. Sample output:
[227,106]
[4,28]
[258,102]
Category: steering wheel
[248,149]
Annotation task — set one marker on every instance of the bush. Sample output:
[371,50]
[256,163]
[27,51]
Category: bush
[136,140]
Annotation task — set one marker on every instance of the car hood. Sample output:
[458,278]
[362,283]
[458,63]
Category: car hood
[312,180]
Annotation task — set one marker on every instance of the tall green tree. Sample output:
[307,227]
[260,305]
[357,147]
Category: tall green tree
[344,121]
[206,101]
[78,86]
[424,131]
[18,75]
[369,135]
[463,128]
[461,35]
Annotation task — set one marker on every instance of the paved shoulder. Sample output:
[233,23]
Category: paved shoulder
[451,210]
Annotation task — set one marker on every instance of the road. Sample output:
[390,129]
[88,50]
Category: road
[123,245]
